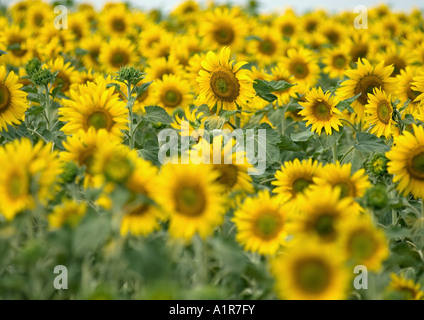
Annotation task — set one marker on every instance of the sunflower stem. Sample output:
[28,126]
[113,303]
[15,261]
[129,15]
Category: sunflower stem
[130,117]
[348,151]
[350,124]
[47,109]
[334,147]
[238,119]
[422,207]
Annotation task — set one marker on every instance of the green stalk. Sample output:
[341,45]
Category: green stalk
[47,109]
[130,118]
[334,147]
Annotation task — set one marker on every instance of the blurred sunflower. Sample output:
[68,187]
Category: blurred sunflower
[320,111]
[379,112]
[223,82]
[336,62]
[404,288]
[310,271]
[17,42]
[116,21]
[405,89]
[266,48]
[161,66]
[116,53]
[406,162]
[280,73]
[66,75]
[92,46]
[192,198]
[261,224]
[13,103]
[68,212]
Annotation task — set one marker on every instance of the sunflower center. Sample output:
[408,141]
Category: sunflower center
[366,85]
[299,69]
[118,25]
[139,210]
[412,94]
[333,36]
[287,30]
[38,20]
[301,184]
[225,85]
[162,72]
[359,51]
[228,175]
[190,201]
[361,245]
[346,189]
[224,35]
[415,164]
[384,112]
[324,225]
[120,58]
[99,119]
[16,186]
[18,52]
[94,54]
[312,275]
[339,61]
[267,47]
[172,98]
[268,225]
[118,169]
[398,64]
[63,79]
[322,111]
[4,97]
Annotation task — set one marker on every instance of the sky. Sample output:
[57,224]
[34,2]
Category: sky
[269,5]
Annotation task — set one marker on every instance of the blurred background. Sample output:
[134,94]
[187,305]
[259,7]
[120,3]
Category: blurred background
[268,5]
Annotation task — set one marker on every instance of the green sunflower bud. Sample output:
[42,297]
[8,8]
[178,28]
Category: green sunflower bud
[378,164]
[42,77]
[70,171]
[377,197]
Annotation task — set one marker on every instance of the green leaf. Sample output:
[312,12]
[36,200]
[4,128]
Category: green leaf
[2,52]
[278,85]
[142,88]
[345,104]
[155,114]
[91,235]
[409,119]
[301,136]
[263,90]
[14,46]
[368,142]
[287,144]
[228,114]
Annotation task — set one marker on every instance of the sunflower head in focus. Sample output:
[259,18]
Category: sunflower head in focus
[379,112]
[171,92]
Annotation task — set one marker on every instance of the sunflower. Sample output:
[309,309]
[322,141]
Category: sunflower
[192,70]
[223,27]
[223,82]
[266,48]
[66,76]
[193,199]
[148,38]
[340,176]
[310,271]
[418,86]
[404,288]
[186,11]
[302,64]
[142,214]
[398,57]
[194,120]
[363,80]
[379,112]
[68,212]
[295,177]
[406,162]
[13,102]
[161,66]
[79,26]
[363,243]
[94,106]
[32,181]
[286,25]
[336,62]
[84,77]
[261,224]
[405,89]
[171,92]
[17,42]
[322,210]
[92,45]
[332,31]
[116,53]
[320,111]
[280,73]
[359,46]
[39,15]
[116,21]
[62,37]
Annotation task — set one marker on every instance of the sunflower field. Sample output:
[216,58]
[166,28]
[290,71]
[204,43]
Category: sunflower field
[332,209]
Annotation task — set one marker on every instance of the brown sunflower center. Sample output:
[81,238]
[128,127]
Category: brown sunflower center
[358,51]
[118,25]
[267,225]
[224,35]
[339,61]
[322,111]
[225,85]
[333,36]
[347,188]
[190,200]
[299,185]
[4,97]
[324,225]
[228,175]
[366,85]
[100,119]
[361,245]
[299,69]
[412,94]
[312,275]
[119,58]
[267,47]
[287,29]
[398,64]
[94,54]
[171,98]
[415,164]
[17,43]
[63,79]
[38,19]
[139,210]
[384,112]
[86,157]
[16,186]
[161,72]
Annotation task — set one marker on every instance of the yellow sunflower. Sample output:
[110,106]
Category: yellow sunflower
[310,271]
[336,62]
[94,106]
[418,86]
[286,25]
[320,111]
[13,103]
[261,224]
[405,90]
[404,288]
[142,214]
[116,21]
[116,53]
[398,57]
[223,82]
[406,162]
[17,42]
[379,112]
[295,177]
[362,243]
[194,200]
[32,181]
[192,70]
[92,45]
[266,48]
[161,66]
[67,74]
[68,212]
[171,92]
[363,80]
[223,27]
